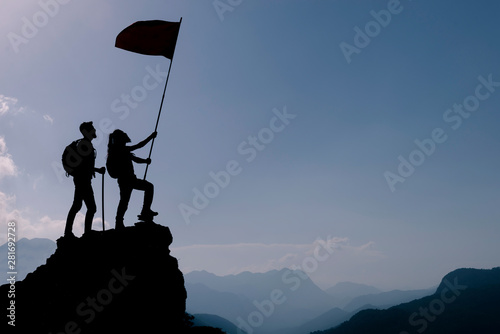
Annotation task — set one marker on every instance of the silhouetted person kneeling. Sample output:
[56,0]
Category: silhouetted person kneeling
[79,162]
[120,166]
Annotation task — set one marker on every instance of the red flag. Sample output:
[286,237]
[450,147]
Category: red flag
[154,38]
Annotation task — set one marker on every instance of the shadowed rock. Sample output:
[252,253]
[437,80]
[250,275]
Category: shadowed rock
[107,282]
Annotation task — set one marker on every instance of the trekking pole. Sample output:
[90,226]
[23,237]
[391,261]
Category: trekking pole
[103,201]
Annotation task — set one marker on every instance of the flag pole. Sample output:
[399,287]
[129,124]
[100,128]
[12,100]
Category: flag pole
[161,104]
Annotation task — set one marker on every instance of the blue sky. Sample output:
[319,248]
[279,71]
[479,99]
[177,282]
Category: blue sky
[322,178]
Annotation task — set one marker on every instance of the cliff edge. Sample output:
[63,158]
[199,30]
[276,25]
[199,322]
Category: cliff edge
[108,282]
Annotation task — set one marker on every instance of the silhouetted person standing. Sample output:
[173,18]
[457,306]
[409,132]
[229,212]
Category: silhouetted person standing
[120,166]
[83,173]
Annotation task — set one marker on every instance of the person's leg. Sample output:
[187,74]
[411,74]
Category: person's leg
[148,189]
[88,198]
[125,193]
[75,207]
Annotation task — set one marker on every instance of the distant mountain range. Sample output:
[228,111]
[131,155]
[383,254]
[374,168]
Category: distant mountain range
[210,320]
[261,302]
[386,299]
[288,302]
[246,300]
[345,292]
[465,302]
[30,253]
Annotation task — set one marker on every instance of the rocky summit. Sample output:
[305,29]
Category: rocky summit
[117,281]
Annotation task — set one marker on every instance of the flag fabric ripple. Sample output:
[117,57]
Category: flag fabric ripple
[154,38]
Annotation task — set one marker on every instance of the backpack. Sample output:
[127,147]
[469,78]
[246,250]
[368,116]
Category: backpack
[73,160]
[113,166]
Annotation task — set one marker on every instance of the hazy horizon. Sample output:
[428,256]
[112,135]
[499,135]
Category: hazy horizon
[307,267]
[355,139]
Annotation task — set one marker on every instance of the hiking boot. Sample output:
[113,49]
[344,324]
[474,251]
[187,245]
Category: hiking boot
[147,215]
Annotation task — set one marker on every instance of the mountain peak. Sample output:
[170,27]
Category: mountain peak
[121,281]
[470,278]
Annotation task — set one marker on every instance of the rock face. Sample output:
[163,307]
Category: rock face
[108,282]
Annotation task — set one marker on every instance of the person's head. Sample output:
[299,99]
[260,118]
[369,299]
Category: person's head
[118,138]
[88,131]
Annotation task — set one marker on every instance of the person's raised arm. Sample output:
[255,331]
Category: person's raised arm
[141,160]
[144,142]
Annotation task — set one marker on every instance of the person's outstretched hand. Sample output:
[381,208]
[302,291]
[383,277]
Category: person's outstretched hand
[153,135]
[101,170]
[148,161]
